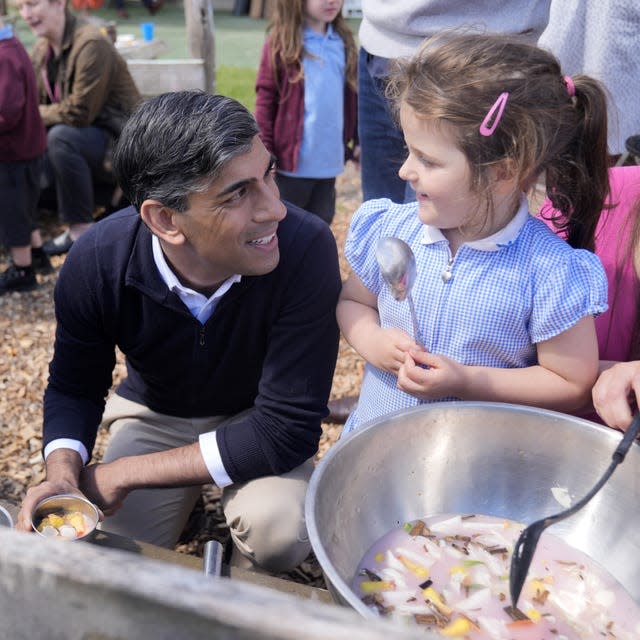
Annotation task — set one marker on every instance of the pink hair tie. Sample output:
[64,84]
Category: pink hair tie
[571,87]
[495,112]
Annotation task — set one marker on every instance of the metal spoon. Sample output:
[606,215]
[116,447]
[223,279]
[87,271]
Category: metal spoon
[398,267]
[528,540]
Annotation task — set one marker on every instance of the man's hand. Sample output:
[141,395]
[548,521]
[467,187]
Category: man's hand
[63,470]
[98,481]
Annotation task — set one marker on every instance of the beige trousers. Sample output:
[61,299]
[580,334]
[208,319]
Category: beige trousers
[265,515]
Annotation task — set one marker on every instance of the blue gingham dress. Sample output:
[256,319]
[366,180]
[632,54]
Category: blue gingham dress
[504,294]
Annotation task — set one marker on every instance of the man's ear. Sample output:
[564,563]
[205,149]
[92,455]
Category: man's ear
[160,220]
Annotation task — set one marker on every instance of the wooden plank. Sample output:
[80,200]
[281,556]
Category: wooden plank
[200,37]
[255,8]
[153,77]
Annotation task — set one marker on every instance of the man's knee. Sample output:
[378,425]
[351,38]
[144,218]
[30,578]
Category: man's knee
[274,537]
[270,532]
[59,142]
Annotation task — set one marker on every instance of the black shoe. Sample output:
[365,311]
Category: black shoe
[40,261]
[17,279]
[59,245]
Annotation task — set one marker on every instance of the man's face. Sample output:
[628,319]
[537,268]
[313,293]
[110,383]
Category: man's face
[42,16]
[231,227]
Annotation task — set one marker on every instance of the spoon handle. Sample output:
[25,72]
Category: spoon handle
[417,334]
[630,435]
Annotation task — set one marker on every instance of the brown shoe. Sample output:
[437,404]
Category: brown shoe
[340,408]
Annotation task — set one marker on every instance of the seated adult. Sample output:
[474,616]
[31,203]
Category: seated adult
[222,299]
[86,93]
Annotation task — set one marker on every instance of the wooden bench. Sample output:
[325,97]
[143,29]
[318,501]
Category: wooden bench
[153,77]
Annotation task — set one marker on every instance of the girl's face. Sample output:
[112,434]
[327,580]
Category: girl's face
[439,174]
[319,13]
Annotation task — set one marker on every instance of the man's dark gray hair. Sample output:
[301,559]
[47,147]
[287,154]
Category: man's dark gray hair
[177,143]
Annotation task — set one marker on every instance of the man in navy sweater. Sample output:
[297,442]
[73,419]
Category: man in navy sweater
[222,299]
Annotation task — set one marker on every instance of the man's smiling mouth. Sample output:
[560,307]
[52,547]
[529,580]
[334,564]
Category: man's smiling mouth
[264,240]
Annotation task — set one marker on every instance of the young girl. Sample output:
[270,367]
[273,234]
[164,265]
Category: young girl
[306,100]
[505,307]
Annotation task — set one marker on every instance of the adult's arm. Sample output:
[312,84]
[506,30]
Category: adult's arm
[80,372]
[283,428]
[94,67]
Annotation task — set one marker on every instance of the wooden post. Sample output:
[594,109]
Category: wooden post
[200,37]
[3,8]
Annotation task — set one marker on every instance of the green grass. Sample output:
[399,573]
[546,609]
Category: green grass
[238,83]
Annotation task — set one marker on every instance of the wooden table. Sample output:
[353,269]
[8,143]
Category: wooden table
[141,49]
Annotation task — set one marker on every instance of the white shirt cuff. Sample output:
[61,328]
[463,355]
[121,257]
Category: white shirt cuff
[213,460]
[67,443]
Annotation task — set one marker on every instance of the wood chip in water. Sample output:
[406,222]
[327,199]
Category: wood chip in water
[516,614]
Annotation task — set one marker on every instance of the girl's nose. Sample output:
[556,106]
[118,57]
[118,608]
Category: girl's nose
[405,171]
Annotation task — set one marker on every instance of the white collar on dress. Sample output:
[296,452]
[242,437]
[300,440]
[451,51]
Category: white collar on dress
[500,238]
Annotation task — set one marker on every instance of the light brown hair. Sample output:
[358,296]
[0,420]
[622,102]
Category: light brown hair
[456,77]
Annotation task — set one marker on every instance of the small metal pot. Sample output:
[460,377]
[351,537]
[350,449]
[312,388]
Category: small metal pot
[472,457]
[65,504]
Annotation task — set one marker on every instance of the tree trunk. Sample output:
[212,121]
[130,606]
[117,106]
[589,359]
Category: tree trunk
[200,37]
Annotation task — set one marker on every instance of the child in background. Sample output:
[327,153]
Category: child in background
[22,142]
[306,104]
[505,306]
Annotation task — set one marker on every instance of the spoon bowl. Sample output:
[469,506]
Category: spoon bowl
[527,542]
[398,268]
[397,265]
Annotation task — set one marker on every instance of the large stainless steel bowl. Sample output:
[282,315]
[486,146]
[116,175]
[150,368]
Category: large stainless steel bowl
[472,457]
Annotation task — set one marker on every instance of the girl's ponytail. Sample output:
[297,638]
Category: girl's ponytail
[577,179]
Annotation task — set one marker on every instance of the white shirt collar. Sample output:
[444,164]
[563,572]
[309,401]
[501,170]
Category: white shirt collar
[198,304]
[500,238]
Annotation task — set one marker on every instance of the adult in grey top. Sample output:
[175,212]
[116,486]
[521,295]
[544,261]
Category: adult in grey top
[391,29]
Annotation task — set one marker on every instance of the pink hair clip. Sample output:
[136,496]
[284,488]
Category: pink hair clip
[571,87]
[495,112]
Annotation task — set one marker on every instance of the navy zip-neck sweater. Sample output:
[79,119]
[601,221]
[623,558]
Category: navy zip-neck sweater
[271,345]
